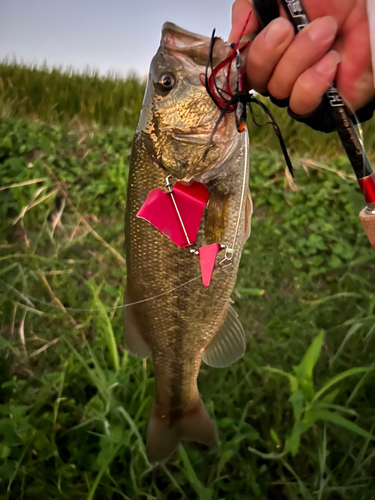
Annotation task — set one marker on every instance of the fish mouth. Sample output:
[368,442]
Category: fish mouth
[192,138]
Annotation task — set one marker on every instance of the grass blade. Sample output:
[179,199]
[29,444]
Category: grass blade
[104,326]
[342,376]
[202,492]
[321,414]
[348,336]
[305,368]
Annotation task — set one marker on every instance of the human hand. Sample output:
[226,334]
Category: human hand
[302,67]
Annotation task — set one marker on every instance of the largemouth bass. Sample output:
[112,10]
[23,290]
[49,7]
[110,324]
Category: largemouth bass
[169,314]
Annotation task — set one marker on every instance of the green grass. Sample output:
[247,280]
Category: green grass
[75,406]
[296,415]
[69,97]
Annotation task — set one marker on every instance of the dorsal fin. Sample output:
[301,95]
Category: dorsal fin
[229,343]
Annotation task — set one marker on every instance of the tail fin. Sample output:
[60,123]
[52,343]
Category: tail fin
[165,434]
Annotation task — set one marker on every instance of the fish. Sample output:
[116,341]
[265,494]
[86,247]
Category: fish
[169,315]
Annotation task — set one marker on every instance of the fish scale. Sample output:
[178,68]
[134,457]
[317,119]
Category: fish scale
[178,326]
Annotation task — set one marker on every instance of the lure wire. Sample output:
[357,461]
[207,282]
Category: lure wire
[230,251]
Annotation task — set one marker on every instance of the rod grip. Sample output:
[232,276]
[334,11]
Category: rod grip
[367,219]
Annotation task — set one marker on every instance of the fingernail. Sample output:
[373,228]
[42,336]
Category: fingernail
[277,32]
[328,64]
[323,30]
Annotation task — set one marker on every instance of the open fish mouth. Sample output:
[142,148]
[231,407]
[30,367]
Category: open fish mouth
[192,138]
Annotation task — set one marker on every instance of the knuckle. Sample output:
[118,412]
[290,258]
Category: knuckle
[278,88]
[310,87]
[305,86]
[306,95]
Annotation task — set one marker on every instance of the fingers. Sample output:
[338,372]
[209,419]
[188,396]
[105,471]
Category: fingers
[292,66]
[310,87]
[266,51]
[307,48]
[300,67]
[240,11]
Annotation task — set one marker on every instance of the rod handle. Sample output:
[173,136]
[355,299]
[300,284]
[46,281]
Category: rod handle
[367,219]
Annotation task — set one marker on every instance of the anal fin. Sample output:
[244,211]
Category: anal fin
[229,343]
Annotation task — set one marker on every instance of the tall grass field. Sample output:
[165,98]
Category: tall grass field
[295,416]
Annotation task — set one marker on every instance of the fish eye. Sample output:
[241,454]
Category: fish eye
[166,82]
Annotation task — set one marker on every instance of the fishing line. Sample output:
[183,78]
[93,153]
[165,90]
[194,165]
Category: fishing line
[109,309]
[28,297]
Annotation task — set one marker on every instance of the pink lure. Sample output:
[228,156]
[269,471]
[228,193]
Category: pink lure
[207,257]
[159,210]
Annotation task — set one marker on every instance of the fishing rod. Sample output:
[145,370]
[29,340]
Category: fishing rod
[267,10]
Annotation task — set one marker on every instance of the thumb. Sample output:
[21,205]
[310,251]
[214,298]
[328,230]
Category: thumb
[240,11]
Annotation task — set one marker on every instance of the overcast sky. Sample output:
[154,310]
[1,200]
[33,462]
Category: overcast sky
[120,35]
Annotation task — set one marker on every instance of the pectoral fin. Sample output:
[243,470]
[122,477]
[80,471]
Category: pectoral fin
[229,343]
[133,339]
[248,214]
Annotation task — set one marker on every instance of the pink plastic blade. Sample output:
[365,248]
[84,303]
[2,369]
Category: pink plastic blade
[159,210]
[207,257]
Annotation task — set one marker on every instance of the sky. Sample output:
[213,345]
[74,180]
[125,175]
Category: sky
[106,35]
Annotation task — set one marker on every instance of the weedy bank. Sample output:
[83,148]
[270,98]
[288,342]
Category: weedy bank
[295,415]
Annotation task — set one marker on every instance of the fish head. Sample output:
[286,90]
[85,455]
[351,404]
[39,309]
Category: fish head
[178,115]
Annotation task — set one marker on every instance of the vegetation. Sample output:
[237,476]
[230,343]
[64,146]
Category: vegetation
[295,416]
[69,97]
